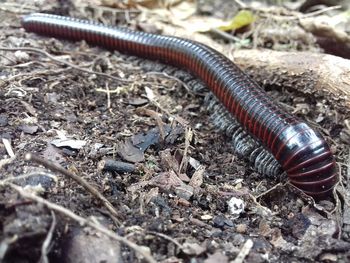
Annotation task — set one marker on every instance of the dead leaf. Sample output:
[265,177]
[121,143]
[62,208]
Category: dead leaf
[53,154]
[129,152]
[279,242]
[71,143]
[216,257]
[200,24]
[168,161]
[181,16]
[29,129]
[3,120]
[197,177]
[137,101]
[184,10]
[166,181]
[151,194]
[184,191]
[132,149]
[152,137]
[193,249]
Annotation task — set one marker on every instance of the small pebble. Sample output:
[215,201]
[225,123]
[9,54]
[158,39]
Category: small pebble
[219,221]
[206,217]
[241,228]
[235,206]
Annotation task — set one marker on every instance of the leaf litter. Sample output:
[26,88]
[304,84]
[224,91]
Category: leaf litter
[183,181]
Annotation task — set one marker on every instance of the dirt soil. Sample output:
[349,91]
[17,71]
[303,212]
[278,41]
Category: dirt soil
[178,190]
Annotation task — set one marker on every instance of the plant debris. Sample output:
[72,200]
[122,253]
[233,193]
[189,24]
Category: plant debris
[124,163]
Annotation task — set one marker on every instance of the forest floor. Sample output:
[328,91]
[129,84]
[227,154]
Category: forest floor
[106,157]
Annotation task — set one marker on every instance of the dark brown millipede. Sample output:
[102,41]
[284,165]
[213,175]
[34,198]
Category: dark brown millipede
[302,152]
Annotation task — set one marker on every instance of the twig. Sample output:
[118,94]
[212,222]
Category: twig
[297,16]
[225,35]
[188,138]
[82,221]
[17,8]
[244,251]
[47,241]
[54,167]
[8,147]
[33,74]
[156,117]
[240,3]
[268,190]
[163,74]
[318,12]
[5,244]
[114,91]
[116,166]
[35,50]
[9,59]
[108,97]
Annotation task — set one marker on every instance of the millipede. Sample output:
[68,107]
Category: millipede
[301,151]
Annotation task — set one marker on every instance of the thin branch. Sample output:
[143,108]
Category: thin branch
[8,147]
[82,221]
[163,74]
[188,139]
[47,241]
[156,117]
[42,52]
[240,4]
[9,59]
[57,168]
[247,246]
[296,16]
[321,11]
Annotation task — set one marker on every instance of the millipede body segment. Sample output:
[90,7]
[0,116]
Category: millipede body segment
[302,152]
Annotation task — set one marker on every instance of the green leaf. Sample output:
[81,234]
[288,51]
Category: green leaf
[243,18]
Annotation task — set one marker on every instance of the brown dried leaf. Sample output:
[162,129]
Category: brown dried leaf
[166,181]
[197,177]
[29,129]
[217,257]
[168,161]
[151,194]
[129,152]
[53,154]
[193,249]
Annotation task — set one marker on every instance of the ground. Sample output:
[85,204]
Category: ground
[181,195]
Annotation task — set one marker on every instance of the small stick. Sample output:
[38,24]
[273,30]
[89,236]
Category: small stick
[163,74]
[54,167]
[108,96]
[244,251]
[35,50]
[318,12]
[45,246]
[240,3]
[155,116]
[188,139]
[8,147]
[82,221]
[225,35]
[116,166]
